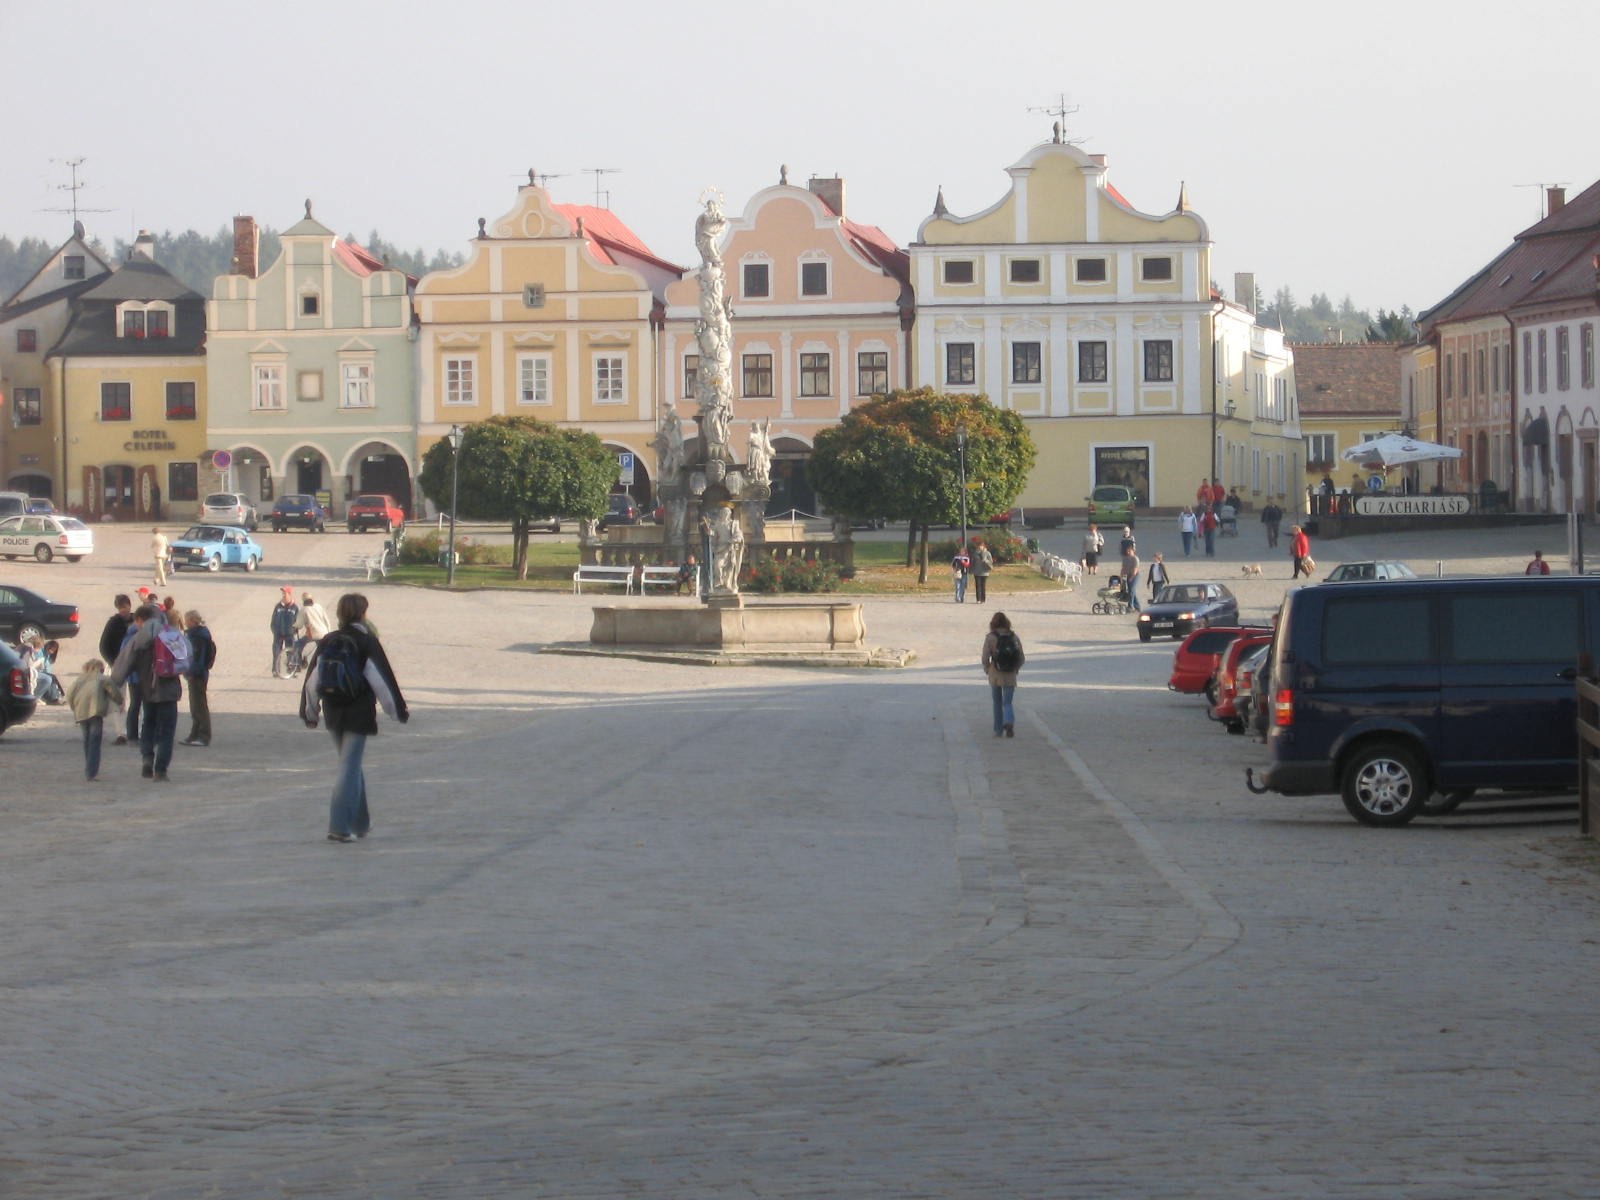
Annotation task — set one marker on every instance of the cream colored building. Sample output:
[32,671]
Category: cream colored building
[1099,325]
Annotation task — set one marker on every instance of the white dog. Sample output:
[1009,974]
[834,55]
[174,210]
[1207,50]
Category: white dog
[1251,569]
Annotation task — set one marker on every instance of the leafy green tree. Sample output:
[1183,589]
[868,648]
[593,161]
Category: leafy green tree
[1393,326]
[895,457]
[518,469]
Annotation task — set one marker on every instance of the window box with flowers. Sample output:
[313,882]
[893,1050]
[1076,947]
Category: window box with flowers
[114,414]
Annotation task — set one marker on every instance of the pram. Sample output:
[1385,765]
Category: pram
[1113,600]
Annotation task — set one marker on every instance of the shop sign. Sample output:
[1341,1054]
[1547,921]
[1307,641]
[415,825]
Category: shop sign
[1413,506]
[149,439]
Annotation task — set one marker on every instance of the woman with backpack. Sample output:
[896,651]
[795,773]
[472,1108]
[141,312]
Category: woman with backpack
[1002,658]
[346,681]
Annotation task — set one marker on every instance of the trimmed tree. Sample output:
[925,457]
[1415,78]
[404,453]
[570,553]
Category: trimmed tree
[895,457]
[519,469]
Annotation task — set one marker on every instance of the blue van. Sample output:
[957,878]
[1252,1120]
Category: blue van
[1406,696]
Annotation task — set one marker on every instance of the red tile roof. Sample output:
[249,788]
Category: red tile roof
[606,233]
[1347,378]
[878,246]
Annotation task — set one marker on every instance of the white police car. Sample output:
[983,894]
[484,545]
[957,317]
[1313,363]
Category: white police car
[45,538]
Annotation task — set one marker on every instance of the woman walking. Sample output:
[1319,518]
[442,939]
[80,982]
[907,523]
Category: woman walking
[1300,551]
[345,683]
[1002,658]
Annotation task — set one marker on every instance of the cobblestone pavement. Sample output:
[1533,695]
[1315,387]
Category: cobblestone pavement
[634,930]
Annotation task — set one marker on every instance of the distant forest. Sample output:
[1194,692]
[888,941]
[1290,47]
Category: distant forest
[1323,321]
[197,259]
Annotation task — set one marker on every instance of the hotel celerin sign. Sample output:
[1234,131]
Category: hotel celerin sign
[1413,506]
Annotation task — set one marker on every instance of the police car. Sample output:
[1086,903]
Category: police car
[45,538]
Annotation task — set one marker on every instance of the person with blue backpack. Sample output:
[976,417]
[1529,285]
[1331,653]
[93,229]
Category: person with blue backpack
[345,683]
[160,656]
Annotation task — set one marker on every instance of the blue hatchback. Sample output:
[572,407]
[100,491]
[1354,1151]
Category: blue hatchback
[214,547]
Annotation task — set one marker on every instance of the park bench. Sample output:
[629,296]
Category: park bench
[369,563]
[658,576]
[599,573]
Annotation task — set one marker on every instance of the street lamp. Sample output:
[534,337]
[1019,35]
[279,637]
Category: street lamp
[455,494]
[961,453]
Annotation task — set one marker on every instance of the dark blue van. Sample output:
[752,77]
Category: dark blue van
[1405,697]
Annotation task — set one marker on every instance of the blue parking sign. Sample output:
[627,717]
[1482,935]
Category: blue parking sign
[625,461]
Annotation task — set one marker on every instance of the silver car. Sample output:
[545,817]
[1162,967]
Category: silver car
[229,508]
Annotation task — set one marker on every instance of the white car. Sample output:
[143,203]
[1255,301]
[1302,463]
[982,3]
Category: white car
[45,538]
[229,508]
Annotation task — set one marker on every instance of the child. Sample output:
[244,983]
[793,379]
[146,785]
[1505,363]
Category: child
[91,696]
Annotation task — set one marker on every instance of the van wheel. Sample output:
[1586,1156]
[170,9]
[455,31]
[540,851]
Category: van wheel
[1384,784]
[1443,803]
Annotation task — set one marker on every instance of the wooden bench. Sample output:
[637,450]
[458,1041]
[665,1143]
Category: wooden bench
[658,576]
[597,573]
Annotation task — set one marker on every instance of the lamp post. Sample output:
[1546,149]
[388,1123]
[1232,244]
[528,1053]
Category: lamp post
[961,453]
[455,493]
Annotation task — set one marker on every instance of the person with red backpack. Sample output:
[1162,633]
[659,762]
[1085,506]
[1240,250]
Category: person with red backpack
[159,656]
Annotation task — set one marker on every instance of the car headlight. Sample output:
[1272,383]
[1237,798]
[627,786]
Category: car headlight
[1188,616]
[1143,617]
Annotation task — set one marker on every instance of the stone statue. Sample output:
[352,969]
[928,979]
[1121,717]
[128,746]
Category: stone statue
[727,550]
[677,506]
[714,333]
[669,446]
[758,460]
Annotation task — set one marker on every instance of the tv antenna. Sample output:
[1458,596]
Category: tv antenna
[599,174]
[74,187]
[1060,110]
[541,178]
[1543,191]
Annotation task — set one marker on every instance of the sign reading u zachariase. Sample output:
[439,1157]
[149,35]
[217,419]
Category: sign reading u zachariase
[1412,506]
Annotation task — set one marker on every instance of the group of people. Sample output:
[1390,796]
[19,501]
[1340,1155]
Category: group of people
[294,628]
[976,560]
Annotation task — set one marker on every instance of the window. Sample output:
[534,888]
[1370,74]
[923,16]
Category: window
[72,266]
[814,279]
[1153,270]
[758,375]
[27,341]
[1494,366]
[1377,631]
[958,270]
[460,381]
[1544,362]
[116,401]
[814,372]
[1563,359]
[310,304]
[691,373]
[610,381]
[533,379]
[1586,355]
[1449,375]
[183,481]
[1527,362]
[308,385]
[355,385]
[268,387]
[1158,361]
[872,373]
[1483,373]
[1092,365]
[1319,447]
[756,280]
[960,362]
[28,405]
[1025,362]
[180,402]
[1090,270]
[132,323]
[1024,270]
[533,295]
[1518,628]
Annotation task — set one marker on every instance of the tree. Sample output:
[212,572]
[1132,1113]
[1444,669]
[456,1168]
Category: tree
[518,469]
[1393,326]
[895,457]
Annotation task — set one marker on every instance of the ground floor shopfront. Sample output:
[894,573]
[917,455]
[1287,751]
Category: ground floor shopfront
[264,468]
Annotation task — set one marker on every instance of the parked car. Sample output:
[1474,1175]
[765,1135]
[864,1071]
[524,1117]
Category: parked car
[296,510]
[1359,572]
[1111,503]
[623,511]
[229,508]
[1389,692]
[1227,707]
[45,538]
[214,547]
[14,504]
[25,613]
[16,701]
[41,505]
[1194,663]
[1181,608]
[374,510]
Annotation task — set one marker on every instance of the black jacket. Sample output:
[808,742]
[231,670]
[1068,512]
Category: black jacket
[361,714]
[111,636]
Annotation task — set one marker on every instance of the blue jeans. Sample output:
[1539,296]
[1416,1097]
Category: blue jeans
[347,813]
[93,730]
[282,652]
[1211,543]
[1003,713]
[1188,543]
[1132,584]
[160,718]
[961,587]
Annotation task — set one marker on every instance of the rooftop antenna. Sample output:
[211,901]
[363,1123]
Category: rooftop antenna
[599,173]
[1060,110]
[1543,191]
[540,178]
[74,187]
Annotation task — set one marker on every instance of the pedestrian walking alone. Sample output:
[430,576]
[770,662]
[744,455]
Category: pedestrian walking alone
[359,680]
[91,697]
[961,567]
[202,657]
[284,614]
[1187,528]
[1299,551]
[1272,518]
[982,564]
[1157,575]
[1208,527]
[1002,659]
[1094,543]
[162,551]
[1538,566]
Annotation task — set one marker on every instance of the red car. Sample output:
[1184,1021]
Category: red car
[367,511]
[1194,663]
[1226,706]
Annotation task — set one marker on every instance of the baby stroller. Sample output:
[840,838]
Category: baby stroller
[1113,600]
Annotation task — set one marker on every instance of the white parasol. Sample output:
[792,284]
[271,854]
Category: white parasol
[1393,449]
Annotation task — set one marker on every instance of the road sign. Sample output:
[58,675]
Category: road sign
[625,461]
[222,460]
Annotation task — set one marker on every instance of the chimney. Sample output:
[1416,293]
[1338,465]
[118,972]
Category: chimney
[830,192]
[1244,289]
[1555,200]
[144,246]
[246,247]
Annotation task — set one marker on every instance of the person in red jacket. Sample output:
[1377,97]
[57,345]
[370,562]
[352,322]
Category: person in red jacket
[1299,550]
[1538,566]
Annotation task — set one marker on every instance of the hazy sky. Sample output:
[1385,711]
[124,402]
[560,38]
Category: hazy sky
[1369,149]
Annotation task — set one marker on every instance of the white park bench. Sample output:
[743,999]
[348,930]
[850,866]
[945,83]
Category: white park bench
[665,575]
[378,562]
[599,573]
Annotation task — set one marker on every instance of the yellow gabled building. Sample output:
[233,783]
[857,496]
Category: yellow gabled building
[1099,325]
[554,315]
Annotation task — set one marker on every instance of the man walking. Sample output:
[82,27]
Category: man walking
[284,615]
[1272,518]
[161,550]
[158,694]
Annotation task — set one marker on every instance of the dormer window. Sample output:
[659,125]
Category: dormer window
[145,320]
[133,323]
